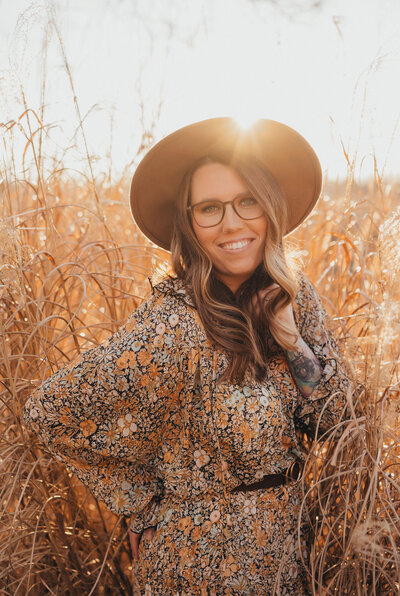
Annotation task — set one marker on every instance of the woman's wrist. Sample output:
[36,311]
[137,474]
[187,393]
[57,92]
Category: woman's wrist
[141,531]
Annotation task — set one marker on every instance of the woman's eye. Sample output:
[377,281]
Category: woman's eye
[248,202]
[209,208]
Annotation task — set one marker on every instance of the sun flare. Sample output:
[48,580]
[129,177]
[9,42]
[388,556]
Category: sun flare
[245,120]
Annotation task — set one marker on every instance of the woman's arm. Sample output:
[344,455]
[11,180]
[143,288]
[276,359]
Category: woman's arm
[328,404]
[103,414]
[317,366]
[304,366]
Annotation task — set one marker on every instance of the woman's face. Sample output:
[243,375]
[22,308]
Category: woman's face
[235,246]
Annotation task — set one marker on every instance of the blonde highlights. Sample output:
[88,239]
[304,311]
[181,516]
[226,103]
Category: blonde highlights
[241,324]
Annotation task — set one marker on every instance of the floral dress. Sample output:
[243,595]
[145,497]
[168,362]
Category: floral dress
[144,422]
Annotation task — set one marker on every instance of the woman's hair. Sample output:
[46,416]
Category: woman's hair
[231,320]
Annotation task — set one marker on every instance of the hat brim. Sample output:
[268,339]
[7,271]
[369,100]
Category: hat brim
[288,156]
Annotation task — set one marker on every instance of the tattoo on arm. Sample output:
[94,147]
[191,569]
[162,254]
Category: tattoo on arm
[304,366]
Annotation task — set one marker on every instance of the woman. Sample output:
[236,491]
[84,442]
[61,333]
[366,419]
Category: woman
[186,418]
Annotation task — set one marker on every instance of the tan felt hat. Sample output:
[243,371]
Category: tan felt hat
[287,155]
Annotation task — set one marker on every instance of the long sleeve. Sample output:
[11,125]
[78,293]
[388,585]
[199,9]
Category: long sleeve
[329,396]
[147,517]
[103,414]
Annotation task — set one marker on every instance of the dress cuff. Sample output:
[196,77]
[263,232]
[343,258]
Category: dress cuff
[146,518]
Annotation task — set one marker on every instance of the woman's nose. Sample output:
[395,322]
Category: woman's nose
[231,220]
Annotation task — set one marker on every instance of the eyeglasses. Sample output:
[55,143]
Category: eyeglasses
[210,213]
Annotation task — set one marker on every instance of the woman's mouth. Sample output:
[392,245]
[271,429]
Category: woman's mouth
[236,245]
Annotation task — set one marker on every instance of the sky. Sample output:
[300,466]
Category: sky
[328,68]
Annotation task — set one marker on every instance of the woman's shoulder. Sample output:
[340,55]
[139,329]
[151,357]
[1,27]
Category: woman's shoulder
[167,292]
[169,303]
[305,287]
[172,288]
[307,301]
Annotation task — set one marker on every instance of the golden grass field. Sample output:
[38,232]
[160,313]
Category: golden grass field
[73,266]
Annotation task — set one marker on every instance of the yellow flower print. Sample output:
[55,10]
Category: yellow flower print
[201,458]
[34,413]
[247,431]
[196,533]
[130,324]
[158,341]
[237,419]
[249,507]
[122,383]
[198,519]
[121,500]
[126,425]
[215,515]
[144,357]
[261,538]
[183,554]
[160,329]
[153,370]
[126,360]
[86,389]
[88,427]
[65,416]
[222,471]
[258,475]
[222,421]
[185,524]
[252,404]
[126,485]
[173,320]
[168,457]
[111,435]
[231,566]
[145,381]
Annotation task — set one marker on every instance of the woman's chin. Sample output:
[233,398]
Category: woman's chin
[234,278]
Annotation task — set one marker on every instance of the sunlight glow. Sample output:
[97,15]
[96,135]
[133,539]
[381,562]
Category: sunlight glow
[246,119]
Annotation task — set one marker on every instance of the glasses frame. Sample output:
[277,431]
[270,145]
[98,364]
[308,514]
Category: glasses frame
[224,204]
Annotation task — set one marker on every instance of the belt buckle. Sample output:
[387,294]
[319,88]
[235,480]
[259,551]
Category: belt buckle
[289,473]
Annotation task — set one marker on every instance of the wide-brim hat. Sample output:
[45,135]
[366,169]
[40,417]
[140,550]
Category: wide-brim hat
[287,155]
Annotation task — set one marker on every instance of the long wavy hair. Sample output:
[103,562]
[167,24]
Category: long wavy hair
[232,320]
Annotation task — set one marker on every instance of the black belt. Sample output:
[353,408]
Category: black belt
[292,474]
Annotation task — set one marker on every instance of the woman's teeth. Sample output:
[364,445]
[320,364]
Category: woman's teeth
[235,245]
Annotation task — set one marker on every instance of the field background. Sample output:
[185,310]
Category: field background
[73,266]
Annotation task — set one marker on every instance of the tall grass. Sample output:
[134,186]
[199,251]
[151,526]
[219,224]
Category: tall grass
[69,277]
[73,266]
[353,498]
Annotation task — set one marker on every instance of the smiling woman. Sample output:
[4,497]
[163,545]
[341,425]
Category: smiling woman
[189,424]
[232,234]
[228,228]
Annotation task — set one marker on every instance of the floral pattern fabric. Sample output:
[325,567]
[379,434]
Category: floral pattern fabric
[144,422]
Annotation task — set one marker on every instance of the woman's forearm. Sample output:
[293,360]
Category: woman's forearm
[304,366]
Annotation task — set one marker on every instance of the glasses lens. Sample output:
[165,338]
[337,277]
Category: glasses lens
[208,213]
[248,207]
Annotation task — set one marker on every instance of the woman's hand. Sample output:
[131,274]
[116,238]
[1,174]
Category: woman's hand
[135,537]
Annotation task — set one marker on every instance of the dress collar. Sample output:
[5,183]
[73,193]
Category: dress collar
[173,286]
